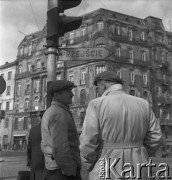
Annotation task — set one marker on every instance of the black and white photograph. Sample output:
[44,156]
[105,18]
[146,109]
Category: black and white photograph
[85,89]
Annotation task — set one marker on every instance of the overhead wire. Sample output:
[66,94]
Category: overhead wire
[33,14]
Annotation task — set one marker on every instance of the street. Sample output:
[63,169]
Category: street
[16,160]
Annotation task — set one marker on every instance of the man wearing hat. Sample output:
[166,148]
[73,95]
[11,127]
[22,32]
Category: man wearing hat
[117,130]
[60,143]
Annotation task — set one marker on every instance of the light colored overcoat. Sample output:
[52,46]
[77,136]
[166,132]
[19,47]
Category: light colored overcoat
[116,129]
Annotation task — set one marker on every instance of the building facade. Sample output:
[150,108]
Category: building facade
[140,52]
[7,71]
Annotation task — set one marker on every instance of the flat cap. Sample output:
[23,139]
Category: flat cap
[108,76]
[60,85]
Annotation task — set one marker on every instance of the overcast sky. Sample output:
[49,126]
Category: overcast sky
[22,17]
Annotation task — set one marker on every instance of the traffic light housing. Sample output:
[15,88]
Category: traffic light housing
[58,25]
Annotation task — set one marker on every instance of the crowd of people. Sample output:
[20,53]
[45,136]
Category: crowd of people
[116,125]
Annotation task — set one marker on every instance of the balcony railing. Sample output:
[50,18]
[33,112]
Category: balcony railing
[22,75]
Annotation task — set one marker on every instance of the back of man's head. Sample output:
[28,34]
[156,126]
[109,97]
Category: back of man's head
[109,76]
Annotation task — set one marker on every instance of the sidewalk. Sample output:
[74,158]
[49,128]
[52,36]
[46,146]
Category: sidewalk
[10,166]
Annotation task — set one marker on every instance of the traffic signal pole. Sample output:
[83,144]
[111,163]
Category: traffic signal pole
[57,25]
[52,46]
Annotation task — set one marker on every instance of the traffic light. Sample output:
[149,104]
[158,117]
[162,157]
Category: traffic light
[58,24]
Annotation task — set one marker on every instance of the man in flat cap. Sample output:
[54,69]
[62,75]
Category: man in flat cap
[60,142]
[116,129]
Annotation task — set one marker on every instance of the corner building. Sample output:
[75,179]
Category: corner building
[139,50]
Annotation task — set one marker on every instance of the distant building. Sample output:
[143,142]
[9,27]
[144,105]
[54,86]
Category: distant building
[141,53]
[7,71]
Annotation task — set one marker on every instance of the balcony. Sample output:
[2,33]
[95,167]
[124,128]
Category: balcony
[22,75]
[167,122]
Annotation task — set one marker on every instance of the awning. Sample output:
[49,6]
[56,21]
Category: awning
[19,134]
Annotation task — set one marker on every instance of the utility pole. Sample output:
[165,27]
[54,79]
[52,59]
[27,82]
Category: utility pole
[57,25]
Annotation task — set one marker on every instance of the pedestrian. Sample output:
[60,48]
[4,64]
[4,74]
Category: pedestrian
[60,142]
[116,129]
[35,157]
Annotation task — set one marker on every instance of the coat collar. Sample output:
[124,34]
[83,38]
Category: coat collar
[114,88]
[61,104]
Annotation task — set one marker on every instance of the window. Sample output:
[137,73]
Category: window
[83,73]
[0,106]
[18,89]
[25,123]
[27,103]
[45,83]
[60,64]
[131,56]
[145,78]
[132,76]
[100,69]
[119,73]
[6,123]
[83,96]
[20,69]
[130,34]
[142,36]
[36,103]
[83,31]
[38,65]
[2,75]
[145,94]
[118,51]
[71,77]
[8,90]
[143,56]
[17,105]
[21,50]
[37,85]
[132,92]
[162,57]
[30,49]
[117,29]
[100,45]
[7,106]
[100,25]
[58,77]
[29,66]
[16,121]
[9,75]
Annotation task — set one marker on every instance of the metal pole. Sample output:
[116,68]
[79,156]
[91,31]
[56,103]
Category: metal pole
[52,57]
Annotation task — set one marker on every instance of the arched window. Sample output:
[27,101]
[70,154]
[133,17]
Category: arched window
[83,96]
[20,69]
[145,94]
[132,92]
[27,103]
[100,42]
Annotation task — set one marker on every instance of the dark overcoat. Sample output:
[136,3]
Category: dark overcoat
[35,157]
